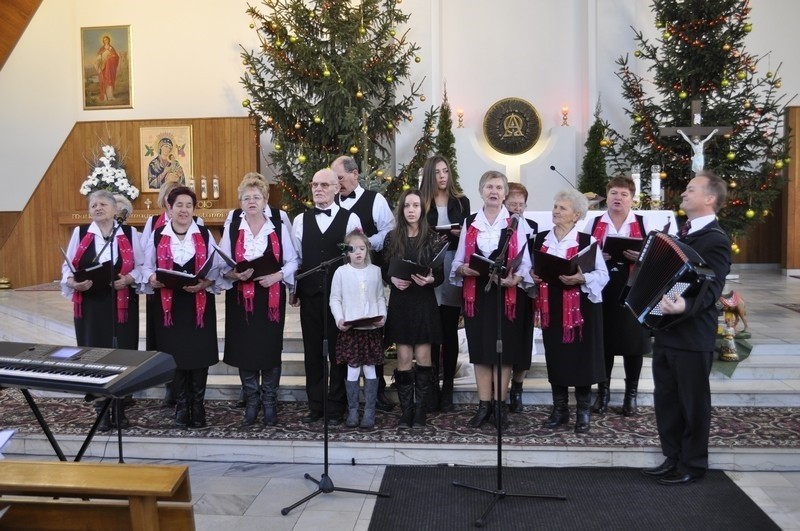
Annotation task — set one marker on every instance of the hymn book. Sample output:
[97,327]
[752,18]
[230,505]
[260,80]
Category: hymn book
[549,267]
[179,279]
[264,265]
[101,275]
[616,245]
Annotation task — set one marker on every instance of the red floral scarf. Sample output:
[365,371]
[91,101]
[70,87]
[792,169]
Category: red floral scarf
[164,258]
[602,227]
[126,255]
[247,289]
[470,283]
[572,320]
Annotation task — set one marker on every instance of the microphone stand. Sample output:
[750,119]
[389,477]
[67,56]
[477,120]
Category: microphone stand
[497,269]
[325,483]
[115,403]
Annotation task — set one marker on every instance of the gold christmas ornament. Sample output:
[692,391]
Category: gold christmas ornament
[748,28]
[389,79]
[418,59]
[392,32]
[317,119]
[389,126]
[787,160]
[750,214]
[683,95]
[388,178]
[666,35]
[637,53]
[359,95]
[308,204]
[724,83]
[778,84]
[292,38]
[726,47]
[273,26]
[732,184]
[326,73]
[662,175]
[379,173]
[746,104]
[740,75]
[730,155]
[406,187]
[277,147]
[353,150]
[246,103]
[681,212]
[422,98]
[252,25]
[301,158]
[778,164]
[637,118]
[362,30]
[297,125]
[769,74]
[765,213]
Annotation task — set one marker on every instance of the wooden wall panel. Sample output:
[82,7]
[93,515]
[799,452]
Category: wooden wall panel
[30,255]
[790,243]
[14,18]
[7,222]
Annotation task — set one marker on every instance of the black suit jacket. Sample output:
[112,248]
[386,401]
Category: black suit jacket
[457,211]
[699,333]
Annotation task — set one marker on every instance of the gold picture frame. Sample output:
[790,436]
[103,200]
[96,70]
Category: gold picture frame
[165,155]
[106,67]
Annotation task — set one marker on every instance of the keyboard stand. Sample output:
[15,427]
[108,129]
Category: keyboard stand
[54,443]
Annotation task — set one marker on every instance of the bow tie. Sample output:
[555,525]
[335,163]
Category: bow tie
[318,211]
[351,195]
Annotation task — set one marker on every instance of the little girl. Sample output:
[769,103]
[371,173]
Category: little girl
[356,294]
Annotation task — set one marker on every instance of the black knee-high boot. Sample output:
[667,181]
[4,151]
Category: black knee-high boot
[197,397]
[560,413]
[583,415]
[404,381]
[250,387]
[180,390]
[600,405]
[422,390]
[270,380]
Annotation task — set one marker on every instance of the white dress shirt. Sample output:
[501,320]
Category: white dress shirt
[381,215]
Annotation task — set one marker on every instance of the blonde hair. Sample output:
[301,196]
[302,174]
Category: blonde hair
[253,180]
[357,234]
[163,192]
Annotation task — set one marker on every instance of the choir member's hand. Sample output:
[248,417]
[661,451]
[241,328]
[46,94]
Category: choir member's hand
[154,283]
[419,280]
[456,232]
[381,322]
[268,280]
[123,281]
[240,276]
[400,284]
[200,286]
[631,255]
[510,281]
[606,257]
[294,300]
[465,271]
[573,280]
[341,326]
[536,279]
[672,306]
[79,286]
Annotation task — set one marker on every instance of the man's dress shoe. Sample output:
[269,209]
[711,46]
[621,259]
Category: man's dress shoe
[659,471]
[677,478]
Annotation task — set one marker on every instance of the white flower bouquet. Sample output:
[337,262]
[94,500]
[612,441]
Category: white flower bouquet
[109,174]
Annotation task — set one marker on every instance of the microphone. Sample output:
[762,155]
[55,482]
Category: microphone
[122,216]
[345,248]
[563,177]
[514,221]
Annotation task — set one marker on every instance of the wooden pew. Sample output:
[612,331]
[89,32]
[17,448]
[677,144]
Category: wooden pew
[60,495]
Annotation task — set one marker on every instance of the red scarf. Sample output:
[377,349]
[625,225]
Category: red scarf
[126,254]
[160,221]
[247,289]
[164,258]
[572,320]
[470,283]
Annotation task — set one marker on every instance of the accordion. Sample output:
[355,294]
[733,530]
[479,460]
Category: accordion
[669,267]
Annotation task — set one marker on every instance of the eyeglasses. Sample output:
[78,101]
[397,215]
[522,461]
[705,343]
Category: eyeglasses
[248,198]
[516,205]
[324,186]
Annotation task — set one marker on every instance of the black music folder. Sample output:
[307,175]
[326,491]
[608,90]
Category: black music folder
[616,245]
[364,321]
[101,275]
[266,264]
[549,267]
[179,279]
[483,265]
[403,269]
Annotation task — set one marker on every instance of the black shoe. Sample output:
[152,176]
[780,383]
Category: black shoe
[311,416]
[334,420]
[661,470]
[676,477]
[383,403]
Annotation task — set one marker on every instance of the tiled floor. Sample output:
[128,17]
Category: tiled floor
[250,496]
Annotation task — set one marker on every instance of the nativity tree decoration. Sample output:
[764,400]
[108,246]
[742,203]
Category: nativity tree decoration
[326,81]
[704,79]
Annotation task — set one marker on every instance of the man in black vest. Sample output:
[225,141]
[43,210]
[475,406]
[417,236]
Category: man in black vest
[377,221]
[317,234]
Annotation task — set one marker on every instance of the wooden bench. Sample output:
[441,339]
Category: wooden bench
[59,495]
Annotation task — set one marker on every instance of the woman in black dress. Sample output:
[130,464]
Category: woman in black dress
[485,234]
[186,326]
[413,316]
[573,347]
[622,333]
[446,206]
[255,308]
[105,316]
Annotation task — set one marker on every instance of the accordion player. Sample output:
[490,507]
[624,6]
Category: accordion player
[666,266]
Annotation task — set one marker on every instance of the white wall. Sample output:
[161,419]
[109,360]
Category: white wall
[186,64]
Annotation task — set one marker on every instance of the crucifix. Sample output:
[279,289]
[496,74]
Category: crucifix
[696,131]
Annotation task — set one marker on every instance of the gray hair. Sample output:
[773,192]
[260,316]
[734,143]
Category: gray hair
[578,201]
[492,174]
[102,194]
[348,163]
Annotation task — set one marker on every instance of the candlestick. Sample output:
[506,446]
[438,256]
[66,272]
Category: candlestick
[564,116]
[215,188]
[203,188]
[655,186]
[636,175]
[460,114]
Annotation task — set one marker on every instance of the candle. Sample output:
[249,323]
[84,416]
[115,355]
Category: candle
[637,181]
[203,188]
[655,182]
[215,188]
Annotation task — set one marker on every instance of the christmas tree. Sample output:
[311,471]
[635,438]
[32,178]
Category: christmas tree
[593,176]
[700,56]
[445,141]
[326,81]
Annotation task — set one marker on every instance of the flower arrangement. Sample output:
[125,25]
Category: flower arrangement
[109,174]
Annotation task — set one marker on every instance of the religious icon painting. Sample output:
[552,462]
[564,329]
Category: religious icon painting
[165,155]
[106,67]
